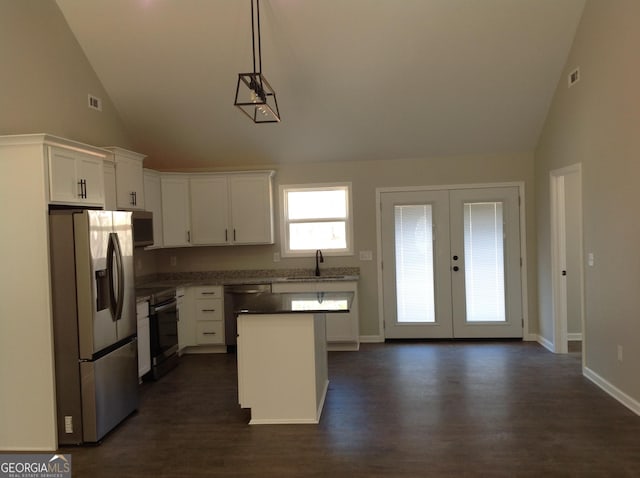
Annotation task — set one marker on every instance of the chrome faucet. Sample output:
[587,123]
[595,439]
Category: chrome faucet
[319,259]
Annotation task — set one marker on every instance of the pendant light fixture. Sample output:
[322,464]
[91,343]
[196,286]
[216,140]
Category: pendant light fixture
[254,95]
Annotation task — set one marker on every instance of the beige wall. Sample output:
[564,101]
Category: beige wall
[596,122]
[45,78]
[365,177]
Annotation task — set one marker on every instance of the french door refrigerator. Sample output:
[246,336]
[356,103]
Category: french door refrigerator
[94,322]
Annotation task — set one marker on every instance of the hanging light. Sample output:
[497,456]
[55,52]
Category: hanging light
[254,95]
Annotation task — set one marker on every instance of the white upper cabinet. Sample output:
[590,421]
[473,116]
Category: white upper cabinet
[129,178]
[232,208]
[251,208]
[153,203]
[176,227]
[75,176]
[109,186]
[209,209]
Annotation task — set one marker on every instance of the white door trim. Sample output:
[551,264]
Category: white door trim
[526,335]
[558,258]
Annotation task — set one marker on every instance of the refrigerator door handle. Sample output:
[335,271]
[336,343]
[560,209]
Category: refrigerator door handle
[116,302]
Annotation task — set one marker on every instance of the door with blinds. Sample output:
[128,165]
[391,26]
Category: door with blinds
[451,263]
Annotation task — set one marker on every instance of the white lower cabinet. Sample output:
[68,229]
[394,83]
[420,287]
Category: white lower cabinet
[186,330]
[201,329]
[144,352]
[343,330]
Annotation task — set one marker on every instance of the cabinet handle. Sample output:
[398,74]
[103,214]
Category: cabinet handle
[226,236]
[133,198]
[234,233]
[208,310]
[208,293]
[83,188]
[209,333]
[188,236]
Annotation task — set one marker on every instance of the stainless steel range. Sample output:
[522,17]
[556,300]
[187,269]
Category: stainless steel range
[163,330]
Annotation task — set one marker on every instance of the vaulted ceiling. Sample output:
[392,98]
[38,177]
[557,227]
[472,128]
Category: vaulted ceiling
[355,79]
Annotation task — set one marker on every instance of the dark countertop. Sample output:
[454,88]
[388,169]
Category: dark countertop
[296,303]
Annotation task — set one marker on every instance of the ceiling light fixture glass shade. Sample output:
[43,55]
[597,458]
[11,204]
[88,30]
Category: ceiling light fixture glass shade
[254,95]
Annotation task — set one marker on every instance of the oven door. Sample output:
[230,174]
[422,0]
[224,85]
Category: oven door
[163,322]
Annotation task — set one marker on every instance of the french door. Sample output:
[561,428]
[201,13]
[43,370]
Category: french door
[451,263]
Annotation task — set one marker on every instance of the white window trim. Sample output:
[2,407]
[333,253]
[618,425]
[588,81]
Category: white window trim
[284,230]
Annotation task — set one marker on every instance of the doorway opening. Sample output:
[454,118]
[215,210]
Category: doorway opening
[567,273]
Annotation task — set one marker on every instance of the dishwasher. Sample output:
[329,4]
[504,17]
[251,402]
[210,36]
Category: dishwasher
[235,296]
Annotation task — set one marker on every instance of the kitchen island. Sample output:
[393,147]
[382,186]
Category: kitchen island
[282,355]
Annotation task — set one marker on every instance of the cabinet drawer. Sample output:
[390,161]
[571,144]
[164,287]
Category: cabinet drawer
[209,309]
[208,292]
[209,332]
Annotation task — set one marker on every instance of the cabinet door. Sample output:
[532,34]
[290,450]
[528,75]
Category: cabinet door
[144,352]
[175,211]
[90,170]
[75,178]
[209,210]
[63,185]
[153,203]
[130,183]
[186,320]
[109,186]
[251,209]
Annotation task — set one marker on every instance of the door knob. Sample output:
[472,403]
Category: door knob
[456,268]
[455,258]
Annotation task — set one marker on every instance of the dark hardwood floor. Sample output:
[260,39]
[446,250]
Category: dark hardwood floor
[393,410]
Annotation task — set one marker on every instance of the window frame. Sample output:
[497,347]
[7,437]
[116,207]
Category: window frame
[285,250]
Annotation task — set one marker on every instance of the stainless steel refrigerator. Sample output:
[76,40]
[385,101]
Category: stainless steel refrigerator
[94,322]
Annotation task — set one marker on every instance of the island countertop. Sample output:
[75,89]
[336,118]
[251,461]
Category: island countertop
[296,302]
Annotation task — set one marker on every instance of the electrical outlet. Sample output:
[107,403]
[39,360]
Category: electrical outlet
[591,259]
[276,257]
[619,353]
[173,260]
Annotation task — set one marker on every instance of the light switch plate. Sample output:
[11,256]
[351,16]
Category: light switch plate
[366,255]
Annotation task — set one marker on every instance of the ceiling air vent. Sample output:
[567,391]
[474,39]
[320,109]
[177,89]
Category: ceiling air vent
[95,103]
[574,77]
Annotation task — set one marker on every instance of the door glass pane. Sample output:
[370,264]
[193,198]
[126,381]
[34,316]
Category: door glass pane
[484,262]
[414,263]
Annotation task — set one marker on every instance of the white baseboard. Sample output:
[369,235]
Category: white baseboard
[371,339]
[576,336]
[628,401]
[546,343]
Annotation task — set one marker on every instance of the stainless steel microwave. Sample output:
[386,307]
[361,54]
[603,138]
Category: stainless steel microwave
[142,222]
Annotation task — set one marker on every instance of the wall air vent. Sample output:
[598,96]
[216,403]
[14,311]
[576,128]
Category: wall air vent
[573,77]
[95,103]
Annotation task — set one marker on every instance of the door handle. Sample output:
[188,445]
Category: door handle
[456,268]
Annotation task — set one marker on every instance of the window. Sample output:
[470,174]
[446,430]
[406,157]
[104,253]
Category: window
[316,217]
